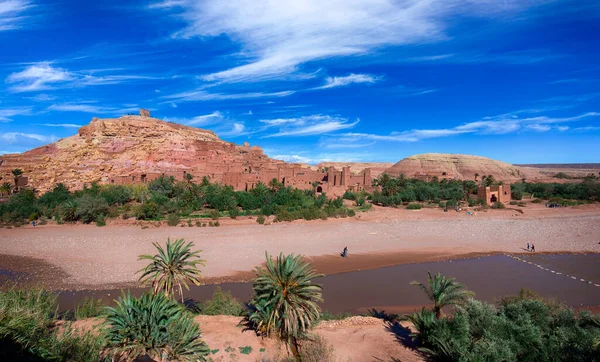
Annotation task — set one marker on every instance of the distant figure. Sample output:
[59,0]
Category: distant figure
[345,252]
[527,246]
[33,223]
[532,248]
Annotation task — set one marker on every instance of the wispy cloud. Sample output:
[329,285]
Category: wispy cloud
[44,76]
[278,37]
[201,95]
[84,107]
[489,125]
[11,138]
[6,114]
[202,120]
[329,157]
[64,125]
[307,125]
[293,158]
[12,13]
[333,82]
[237,129]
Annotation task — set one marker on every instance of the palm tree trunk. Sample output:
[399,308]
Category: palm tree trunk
[438,312]
[295,350]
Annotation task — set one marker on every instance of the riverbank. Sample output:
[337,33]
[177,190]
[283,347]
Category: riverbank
[90,257]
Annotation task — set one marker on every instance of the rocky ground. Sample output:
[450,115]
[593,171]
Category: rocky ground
[92,257]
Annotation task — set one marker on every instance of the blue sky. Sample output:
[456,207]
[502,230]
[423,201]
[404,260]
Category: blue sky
[313,80]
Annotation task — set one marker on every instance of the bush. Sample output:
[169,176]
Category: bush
[89,308]
[217,223]
[222,303]
[536,201]
[153,325]
[351,212]
[562,175]
[173,220]
[89,208]
[260,219]
[234,213]
[214,214]
[198,224]
[101,221]
[498,205]
[414,207]
[28,333]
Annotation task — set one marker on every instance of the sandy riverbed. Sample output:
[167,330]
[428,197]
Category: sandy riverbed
[100,257]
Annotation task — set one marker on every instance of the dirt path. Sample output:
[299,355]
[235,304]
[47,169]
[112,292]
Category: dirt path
[92,257]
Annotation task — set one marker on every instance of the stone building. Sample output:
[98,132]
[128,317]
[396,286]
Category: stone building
[493,194]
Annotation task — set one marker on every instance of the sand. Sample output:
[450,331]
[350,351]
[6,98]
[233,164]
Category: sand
[92,257]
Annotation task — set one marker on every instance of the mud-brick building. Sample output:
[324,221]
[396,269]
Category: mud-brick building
[493,194]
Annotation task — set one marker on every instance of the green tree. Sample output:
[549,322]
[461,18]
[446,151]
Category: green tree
[275,185]
[17,173]
[285,299]
[443,291]
[173,266]
[153,326]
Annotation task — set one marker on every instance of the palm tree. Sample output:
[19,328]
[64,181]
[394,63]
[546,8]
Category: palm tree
[152,325]
[172,267]
[5,188]
[285,299]
[443,291]
[17,172]
[275,185]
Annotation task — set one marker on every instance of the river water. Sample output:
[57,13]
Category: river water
[554,276]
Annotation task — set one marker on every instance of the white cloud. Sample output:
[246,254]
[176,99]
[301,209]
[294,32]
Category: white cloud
[65,125]
[332,82]
[43,76]
[86,107]
[238,129]
[20,138]
[293,158]
[203,120]
[7,113]
[307,125]
[12,13]
[489,125]
[277,37]
[586,129]
[562,128]
[201,95]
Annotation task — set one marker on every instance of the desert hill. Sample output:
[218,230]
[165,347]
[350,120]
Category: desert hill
[458,166]
[110,150]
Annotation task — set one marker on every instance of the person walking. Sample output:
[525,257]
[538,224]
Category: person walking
[527,246]
[532,248]
[345,252]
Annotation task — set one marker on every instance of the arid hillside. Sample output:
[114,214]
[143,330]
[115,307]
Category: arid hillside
[460,167]
[109,150]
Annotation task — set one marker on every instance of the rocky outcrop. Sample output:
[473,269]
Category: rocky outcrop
[456,166]
[114,149]
[377,168]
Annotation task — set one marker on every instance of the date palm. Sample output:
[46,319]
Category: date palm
[5,188]
[285,299]
[17,172]
[444,291]
[173,267]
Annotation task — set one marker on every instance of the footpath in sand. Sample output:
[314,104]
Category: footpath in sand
[91,257]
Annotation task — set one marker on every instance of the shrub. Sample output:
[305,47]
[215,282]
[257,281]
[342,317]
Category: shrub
[89,308]
[28,333]
[514,202]
[33,216]
[222,303]
[234,213]
[217,223]
[498,205]
[214,214]
[198,224]
[351,212]
[100,220]
[562,175]
[414,207]
[153,325]
[189,223]
[173,220]
[536,201]
[148,211]
[89,208]
[260,219]
[210,223]
[245,349]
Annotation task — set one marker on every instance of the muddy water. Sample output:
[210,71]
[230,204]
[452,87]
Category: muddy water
[389,288]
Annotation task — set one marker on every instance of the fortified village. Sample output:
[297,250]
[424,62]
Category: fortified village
[138,149]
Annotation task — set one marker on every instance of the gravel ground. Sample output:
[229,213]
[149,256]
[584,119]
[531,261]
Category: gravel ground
[94,257]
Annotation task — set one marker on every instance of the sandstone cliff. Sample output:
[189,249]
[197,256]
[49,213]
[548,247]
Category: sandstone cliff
[462,167]
[109,149]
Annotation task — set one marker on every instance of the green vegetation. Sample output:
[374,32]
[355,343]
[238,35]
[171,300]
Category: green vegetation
[153,325]
[28,333]
[260,219]
[443,291]
[414,207]
[522,328]
[174,266]
[245,349]
[587,190]
[222,303]
[284,302]
[173,220]
[89,308]
[167,198]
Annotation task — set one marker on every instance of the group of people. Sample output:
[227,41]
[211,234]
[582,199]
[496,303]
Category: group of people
[532,248]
